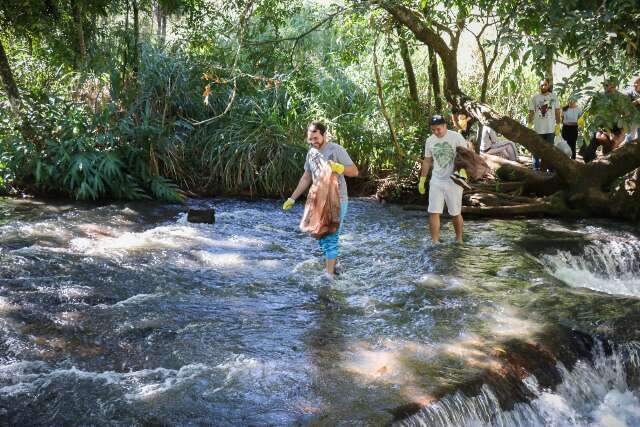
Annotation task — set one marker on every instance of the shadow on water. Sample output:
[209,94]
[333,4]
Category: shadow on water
[127,314]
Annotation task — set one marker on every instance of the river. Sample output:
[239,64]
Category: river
[126,314]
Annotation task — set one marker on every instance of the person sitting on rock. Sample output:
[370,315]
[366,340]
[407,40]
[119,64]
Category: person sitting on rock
[490,144]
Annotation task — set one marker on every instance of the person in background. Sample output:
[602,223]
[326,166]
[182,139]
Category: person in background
[633,92]
[342,165]
[489,144]
[462,122]
[609,135]
[544,116]
[570,115]
[440,152]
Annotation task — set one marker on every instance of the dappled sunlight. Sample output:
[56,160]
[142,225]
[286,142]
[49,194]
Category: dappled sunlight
[508,322]
[69,318]
[422,371]
[7,307]
[70,293]
[388,365]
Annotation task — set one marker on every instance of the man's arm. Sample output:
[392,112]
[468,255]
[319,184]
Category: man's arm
[303,184]
[558,116]
[342,157]
[426,166]
[530,119]
[351,171]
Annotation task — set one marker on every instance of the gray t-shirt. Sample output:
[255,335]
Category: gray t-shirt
[330,151]
[443,151]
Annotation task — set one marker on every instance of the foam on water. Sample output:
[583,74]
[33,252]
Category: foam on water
[612,267]
[23,378]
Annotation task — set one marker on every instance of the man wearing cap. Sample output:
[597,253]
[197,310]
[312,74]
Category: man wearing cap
[440,152]
[544,116]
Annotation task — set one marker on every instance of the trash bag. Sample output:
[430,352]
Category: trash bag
[322,210]
[472,162]
[562,145]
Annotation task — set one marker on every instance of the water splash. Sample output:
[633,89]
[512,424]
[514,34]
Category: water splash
[593,393]
[612,267]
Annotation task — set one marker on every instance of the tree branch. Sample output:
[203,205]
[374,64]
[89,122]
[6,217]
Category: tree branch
[425,34]
[302,35]
[243,19]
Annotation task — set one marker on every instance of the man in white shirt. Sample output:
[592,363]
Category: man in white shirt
[440,152]
[544,114]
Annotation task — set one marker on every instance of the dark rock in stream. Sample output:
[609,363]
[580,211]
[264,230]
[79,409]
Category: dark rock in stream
[207,216]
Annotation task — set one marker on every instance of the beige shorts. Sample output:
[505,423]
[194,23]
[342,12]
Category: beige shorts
[443,192]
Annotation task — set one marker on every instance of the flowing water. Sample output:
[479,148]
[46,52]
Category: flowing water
[128,315]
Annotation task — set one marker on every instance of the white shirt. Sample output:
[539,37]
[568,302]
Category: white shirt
[489,137]
[544,108]
[443,151]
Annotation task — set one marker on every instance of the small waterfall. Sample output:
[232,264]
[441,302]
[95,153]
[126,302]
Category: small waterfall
[612,267]
[598,392]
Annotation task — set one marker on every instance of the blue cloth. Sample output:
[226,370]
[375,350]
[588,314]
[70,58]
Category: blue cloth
[329,243]
[548,137]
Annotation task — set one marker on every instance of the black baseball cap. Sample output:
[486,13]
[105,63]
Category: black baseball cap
[437,120]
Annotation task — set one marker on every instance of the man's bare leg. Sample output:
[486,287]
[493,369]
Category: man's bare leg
[458,225]
[331,266]
[434,227]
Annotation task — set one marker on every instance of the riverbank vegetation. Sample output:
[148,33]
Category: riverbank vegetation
[163,99]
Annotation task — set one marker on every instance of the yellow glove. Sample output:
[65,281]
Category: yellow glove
[288,204]
[558,129]
[581,121]
[336,167]
[421,189]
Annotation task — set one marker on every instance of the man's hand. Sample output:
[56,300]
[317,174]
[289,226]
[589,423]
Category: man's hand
[421,189]
[558,129]
[288,204]
[336,167]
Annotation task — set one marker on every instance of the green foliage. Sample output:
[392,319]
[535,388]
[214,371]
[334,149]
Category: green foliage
[115,127]
[90,148]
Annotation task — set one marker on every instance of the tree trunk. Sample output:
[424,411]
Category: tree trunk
[435,80]
[548,69]
[136,36]
[408,68]
[161,22]
[7,80]
[76,7]
[383,108]
[125,53]
[15,101]
[29,45]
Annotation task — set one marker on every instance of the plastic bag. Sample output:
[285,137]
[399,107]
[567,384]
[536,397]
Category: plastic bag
[562,145]
[322,210]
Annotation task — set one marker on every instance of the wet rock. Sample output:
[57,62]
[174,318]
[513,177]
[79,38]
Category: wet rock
[206,216]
